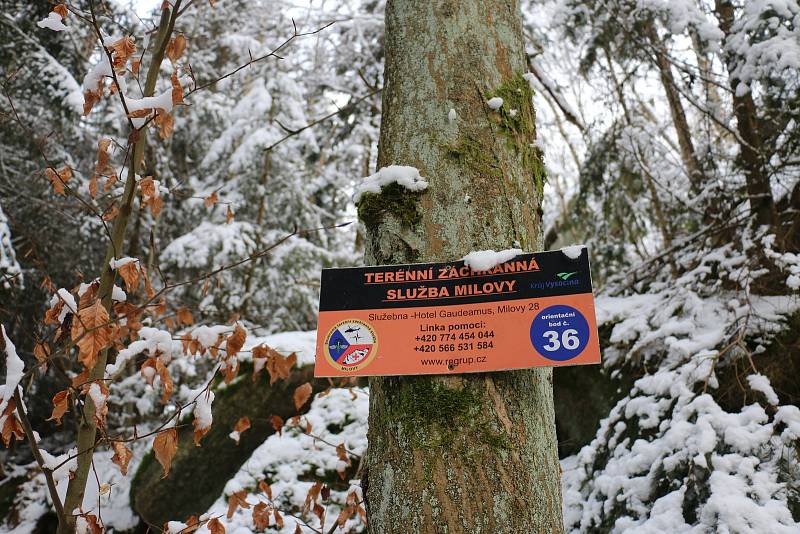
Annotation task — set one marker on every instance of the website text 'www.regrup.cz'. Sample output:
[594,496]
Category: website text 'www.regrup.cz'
[452,363]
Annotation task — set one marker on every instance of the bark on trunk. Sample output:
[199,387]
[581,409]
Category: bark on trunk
[468,453]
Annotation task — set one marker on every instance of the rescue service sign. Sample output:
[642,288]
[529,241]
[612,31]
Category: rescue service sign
[535,310]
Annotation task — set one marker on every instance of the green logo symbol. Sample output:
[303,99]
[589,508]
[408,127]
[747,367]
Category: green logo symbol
[566,276]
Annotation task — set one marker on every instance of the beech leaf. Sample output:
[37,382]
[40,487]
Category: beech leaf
[165,446]
[130,274]
[60,406]
[237,500]
[215,526]
[235,341]
[91,332]
[122,456]
[261,514]
[301,395]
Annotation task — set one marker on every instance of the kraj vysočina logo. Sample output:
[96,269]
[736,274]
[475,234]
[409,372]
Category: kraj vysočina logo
[351,345]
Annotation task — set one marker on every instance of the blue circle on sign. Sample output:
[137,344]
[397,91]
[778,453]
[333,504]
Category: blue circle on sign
[559,333]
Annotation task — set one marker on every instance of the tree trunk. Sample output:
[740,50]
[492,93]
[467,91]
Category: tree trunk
[751,149]
[464,453]
[688,154]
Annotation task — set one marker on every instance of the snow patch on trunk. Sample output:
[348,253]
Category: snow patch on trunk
[402,175]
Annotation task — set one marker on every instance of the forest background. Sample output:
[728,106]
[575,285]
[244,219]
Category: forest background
[671,142]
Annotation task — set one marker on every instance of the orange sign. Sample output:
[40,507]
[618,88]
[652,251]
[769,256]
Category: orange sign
[532,311]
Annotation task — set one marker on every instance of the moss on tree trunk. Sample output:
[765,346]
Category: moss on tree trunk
[198,474]
[469,453]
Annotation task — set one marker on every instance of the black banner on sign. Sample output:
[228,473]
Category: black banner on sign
[543,274]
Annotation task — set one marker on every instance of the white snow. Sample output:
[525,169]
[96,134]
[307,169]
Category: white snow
[495,103]
[202,410]
[452,115]
[573,252]
[14,368]
[483,260]
[53,22]
[403,175]
[760,383]
[8,258]
[116,263]
[70,306]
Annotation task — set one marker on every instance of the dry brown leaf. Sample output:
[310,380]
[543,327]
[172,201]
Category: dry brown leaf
[177,90]
[110,181]
[263,486]
[301,395]
[150,196]
[135,64]
[211,199]
[60,406]
[61,10]
[165,123]
[40,353]
[166,381]
[130,274]
[122,50]
[279,367]
[229,215]
[81,379]
[278,518]
[277,423]
[122,456]
[235,341]
[91,332]
[165,446]
[52,314]
[215,526]
[92,97]
[58,178]
[148,286]
[241,425]
[111,213]
[175,48]
[93,186]
[231,370]
[12,427]
[103,166]
[156,205]
[94,525]
[140,113]
[261,515]
[312,495]
[184,316]
[341,453]
[237,500]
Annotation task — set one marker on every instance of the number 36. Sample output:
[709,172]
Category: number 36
[569,340]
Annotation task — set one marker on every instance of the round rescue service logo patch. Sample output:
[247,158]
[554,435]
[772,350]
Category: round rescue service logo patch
[351,345]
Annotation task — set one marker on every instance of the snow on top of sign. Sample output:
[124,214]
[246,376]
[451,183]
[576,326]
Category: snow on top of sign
[403,175]
[573,252]
[483,260]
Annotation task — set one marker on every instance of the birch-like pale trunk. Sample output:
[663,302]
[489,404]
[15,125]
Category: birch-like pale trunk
[463,453]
